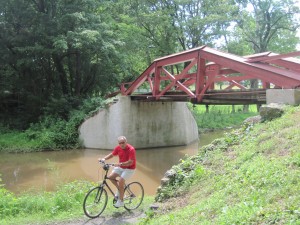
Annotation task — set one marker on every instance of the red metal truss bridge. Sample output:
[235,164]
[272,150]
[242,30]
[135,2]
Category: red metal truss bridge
[192,76]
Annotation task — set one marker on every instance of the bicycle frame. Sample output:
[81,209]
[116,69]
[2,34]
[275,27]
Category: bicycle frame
[104,182]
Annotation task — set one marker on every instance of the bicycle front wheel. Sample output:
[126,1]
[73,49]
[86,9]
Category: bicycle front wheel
[133,195]
[95,202]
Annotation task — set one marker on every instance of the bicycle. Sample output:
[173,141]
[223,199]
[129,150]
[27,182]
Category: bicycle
[96,199]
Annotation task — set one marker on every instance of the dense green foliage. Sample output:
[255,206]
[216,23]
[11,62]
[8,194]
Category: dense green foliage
[53,50]
[52,132]
[251,176]
[269,23]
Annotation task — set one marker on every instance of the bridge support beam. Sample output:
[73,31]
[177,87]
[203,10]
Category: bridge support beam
[284,96]
[145,124]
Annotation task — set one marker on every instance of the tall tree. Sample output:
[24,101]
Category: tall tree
[51,49]
[269,24]
[184,24]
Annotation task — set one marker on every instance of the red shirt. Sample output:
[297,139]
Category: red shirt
[125,155]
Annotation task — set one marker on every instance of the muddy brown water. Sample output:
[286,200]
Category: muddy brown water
[45,170]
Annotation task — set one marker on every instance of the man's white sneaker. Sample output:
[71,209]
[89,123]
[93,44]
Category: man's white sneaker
[117,195]
[119,204]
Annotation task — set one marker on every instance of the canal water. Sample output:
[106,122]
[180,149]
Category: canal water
[40,171]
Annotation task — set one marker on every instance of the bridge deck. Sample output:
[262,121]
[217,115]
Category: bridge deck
[212,97]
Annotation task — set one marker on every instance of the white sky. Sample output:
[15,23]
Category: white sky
[298,33]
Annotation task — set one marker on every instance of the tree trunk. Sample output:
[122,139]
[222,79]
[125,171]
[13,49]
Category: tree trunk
[232,108]
[61,73]
[78,74]
[245,108]
[207,108]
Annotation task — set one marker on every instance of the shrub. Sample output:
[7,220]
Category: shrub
[57,129]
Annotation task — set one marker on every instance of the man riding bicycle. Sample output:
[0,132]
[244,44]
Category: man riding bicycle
[124,169]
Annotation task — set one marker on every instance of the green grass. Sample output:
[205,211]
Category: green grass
[50,207]
[251,176]
[15,141]
[222,116]
[58,135]
[42,206]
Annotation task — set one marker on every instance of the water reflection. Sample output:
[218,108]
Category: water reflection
[45,170]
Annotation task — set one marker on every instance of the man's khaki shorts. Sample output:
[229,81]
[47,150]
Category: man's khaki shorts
[124,173]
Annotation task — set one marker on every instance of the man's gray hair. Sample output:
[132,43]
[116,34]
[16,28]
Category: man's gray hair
[122,138]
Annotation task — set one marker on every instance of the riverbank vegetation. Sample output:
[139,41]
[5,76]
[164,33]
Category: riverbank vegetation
[40,207]
[221,116]
[55,133]
[251,176]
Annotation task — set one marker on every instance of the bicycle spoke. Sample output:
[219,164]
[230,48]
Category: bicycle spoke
[95,202]
[133,195]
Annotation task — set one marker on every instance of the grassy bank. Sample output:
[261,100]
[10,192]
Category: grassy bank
[41,207]
[221,116]
[251,176]
[65,204]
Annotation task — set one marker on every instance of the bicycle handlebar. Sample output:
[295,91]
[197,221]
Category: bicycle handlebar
[108,164]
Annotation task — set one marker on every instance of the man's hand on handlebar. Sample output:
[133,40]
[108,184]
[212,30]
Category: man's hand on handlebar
[101,160]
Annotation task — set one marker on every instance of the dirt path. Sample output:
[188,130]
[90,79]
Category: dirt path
[119,218]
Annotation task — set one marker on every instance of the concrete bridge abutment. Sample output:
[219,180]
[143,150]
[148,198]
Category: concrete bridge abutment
[283,96]
[145,124]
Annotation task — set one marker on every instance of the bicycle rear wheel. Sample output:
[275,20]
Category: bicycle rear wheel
[95,202]
[133,195]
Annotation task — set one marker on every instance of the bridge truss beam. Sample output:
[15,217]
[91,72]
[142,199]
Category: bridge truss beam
[192,75]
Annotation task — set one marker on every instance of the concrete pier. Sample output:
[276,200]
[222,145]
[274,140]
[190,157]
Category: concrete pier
[145,124]
[283,96]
